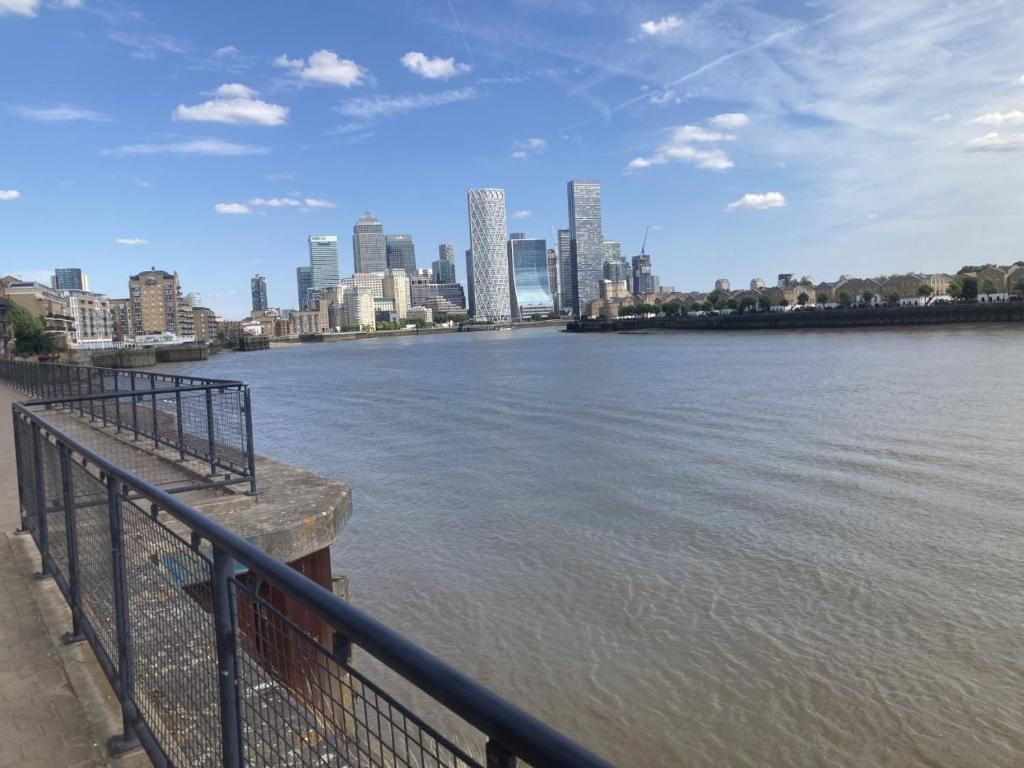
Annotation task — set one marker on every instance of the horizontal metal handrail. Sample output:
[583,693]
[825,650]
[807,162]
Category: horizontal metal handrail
[514,731]
[227,451]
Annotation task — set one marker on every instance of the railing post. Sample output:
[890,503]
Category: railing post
[78,390]
[498,756]
[71,529]
[212,445]
[156,423]
[92,403]
[117,402]
[225,628]
[42,534]
[125,668]
[249,445]
[135,408]
[181,425]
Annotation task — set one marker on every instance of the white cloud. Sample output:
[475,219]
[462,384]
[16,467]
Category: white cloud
[996,142]
[527,147]
[729,120]
[433,68]
[31,7]
[9,194]
[522,214]
[280,176]
[275,202]
[379,106]
[141,182]
[662,26]
[680,149]
[758,201]
[234,104]
[190,147]
[232,208]
[316,202]
[227,50]
[131,241]
[61,113]
[998,119]
[325,67]
[1020,80]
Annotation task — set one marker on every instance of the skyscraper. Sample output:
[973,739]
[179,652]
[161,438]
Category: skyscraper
[488,254]
[470,300]
[303,282]
[587,240]
[400,253]
[258,286]
[528,275]
[643,281]
[444,268]
[369,253]
[553,282]
[567,277]
[69,279]
[323,260]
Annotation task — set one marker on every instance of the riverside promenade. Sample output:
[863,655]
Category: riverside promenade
[56,708]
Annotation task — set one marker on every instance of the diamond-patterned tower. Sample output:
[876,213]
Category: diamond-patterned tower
[487,238]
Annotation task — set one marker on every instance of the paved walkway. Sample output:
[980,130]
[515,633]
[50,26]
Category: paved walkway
[43,721]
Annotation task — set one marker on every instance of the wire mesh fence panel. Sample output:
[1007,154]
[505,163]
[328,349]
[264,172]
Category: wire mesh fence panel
[95,568]
[301,707]
[173,642]
[53,509]
[26,472]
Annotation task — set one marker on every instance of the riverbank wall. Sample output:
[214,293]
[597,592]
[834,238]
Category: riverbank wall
[942,314]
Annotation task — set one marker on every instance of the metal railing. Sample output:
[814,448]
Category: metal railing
[205,420]
[190,624]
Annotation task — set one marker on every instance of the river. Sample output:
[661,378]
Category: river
[744,549]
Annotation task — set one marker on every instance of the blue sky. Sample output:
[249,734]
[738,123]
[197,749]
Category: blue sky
[756,137]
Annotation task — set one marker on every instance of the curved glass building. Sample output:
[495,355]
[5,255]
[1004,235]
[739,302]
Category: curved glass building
[488,274]
[530,290]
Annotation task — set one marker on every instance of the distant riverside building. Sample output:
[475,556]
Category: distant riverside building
[553,282]
[528,272]
[193,299]
[429,294]
[91,313]
[47,304]
[488,254]
[566,274]
[369,250]
[258,286]
[722,284]
[395,286]
[618,269]
[444,268]
[785,280]
[643,281]
[205,322]
[614,289]
[358,309]
[121,319]
[69,279]
[303,283]
[400,253]
[323,260]
[757,284]
[587,240]
[611,250]
[157,305]
[470,301]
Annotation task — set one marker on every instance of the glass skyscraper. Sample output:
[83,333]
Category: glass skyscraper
[323,260]
[69,279]
[643,280]
[566,276]
[369,251]
[587,241]
[488,254]
[444,268]
[470,300]
[528,273]
[303,282]
[258,285]
[400,253]
[553,282]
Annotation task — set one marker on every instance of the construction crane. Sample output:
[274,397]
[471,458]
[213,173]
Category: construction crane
[644,244]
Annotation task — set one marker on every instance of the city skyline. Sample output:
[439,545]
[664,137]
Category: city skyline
[819,138]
